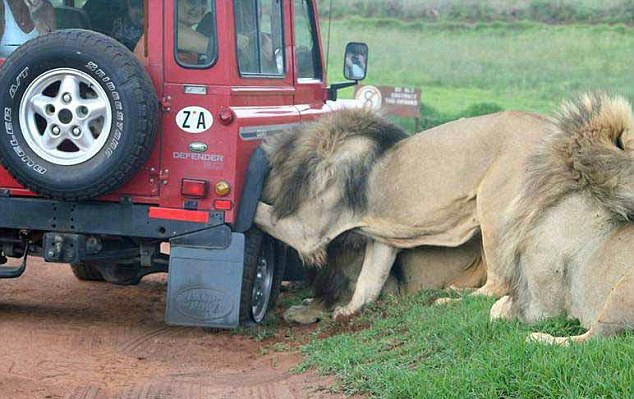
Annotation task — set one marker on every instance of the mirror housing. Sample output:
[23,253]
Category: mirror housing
[355,67]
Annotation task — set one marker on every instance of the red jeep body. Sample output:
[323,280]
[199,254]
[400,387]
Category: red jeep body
[251,101]
[200,175]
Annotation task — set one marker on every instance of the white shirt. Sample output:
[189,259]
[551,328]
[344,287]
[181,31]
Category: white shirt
[13,35]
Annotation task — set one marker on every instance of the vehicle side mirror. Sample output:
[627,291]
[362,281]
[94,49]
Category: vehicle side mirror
[355,65]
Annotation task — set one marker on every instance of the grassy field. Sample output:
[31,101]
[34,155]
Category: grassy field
[488,66]
[403,347]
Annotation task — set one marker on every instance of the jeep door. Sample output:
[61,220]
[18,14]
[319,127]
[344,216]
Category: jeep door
[228,83]
[308,67]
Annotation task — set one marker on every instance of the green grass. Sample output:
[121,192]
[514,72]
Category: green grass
[413,350]
[404,348]
[525,66]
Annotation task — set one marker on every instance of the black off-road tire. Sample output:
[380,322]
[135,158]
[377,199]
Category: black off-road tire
[86,271]
[127,92]
[115,273]
[258,245]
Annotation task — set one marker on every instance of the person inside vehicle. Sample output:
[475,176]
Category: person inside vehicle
[195,31]
[103,13]
[356,63]
[23,20]
[128,28]
[263,58]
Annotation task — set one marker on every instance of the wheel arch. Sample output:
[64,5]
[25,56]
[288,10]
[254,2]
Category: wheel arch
[257,171]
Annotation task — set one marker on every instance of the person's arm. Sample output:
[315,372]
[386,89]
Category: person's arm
[190,40]
[140,49]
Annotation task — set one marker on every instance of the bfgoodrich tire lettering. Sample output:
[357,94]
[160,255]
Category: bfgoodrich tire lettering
[33,77]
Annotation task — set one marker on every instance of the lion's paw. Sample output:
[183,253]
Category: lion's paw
[303,314]
[445,301]
[548,339]
[501,309]
[492,290]
[342,314]
[461,290]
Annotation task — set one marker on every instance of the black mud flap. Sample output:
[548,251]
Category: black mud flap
[205,279]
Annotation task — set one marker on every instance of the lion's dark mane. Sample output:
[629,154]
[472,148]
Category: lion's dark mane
[298,157]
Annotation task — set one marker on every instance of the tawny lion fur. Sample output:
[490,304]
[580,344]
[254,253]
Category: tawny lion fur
[569,237]
[353,171]
[415,269]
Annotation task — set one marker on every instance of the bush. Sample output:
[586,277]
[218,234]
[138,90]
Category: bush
[545,11]
[431,117]
[557,12]
[481,109]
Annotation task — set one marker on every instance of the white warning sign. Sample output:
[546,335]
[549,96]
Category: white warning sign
[370,97]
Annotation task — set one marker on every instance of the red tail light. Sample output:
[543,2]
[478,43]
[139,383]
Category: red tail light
[194,188]
[223,205]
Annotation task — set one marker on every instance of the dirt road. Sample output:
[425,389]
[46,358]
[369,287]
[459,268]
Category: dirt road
[63,338]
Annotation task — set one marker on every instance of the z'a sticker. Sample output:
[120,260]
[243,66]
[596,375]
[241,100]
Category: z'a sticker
[194,119]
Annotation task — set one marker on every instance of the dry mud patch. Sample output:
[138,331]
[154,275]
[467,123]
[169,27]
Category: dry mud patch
[64,338]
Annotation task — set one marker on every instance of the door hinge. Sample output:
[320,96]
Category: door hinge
[160,175]
[166,103]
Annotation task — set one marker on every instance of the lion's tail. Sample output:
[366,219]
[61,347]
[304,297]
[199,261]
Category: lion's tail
[589,148]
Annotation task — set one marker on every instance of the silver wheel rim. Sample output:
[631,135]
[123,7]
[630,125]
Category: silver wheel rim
[261,293]
[65,116]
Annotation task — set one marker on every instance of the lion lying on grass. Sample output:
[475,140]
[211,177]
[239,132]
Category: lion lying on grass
[569,240]
[351,171]
[427,267]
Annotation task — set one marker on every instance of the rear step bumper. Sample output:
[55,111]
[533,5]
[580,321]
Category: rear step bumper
[206,258]
[107,218]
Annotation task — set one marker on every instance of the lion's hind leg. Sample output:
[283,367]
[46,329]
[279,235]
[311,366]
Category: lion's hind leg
[616,316]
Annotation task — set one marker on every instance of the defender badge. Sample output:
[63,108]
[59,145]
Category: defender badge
[197,146]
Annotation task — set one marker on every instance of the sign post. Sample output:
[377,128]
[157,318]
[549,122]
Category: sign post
[399,101]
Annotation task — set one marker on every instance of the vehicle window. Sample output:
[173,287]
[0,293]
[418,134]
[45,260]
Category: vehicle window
[306,41]
[259,37]
[122,20]
[103,13]
[196,44]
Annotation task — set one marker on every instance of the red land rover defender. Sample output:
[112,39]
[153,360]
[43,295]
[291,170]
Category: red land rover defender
[131,123]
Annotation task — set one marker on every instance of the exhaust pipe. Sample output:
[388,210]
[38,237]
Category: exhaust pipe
[14,272]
